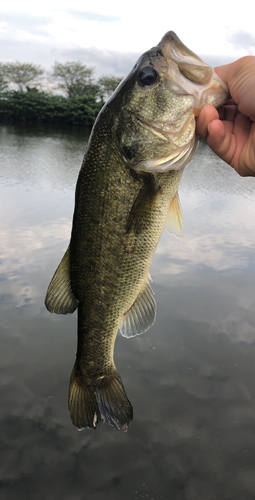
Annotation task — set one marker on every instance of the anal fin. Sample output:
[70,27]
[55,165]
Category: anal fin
[141,316]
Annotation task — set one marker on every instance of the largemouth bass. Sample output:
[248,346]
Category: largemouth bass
[126,192]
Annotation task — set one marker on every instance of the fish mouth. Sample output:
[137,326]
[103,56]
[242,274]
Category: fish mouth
[188,74]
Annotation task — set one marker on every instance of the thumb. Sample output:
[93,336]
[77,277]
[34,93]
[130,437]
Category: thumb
[240,79]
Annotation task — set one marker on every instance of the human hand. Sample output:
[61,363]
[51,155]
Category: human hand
[230,130]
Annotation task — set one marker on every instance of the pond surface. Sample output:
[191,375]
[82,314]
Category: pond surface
[190,378]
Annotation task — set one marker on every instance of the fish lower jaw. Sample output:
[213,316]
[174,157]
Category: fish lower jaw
[175,161]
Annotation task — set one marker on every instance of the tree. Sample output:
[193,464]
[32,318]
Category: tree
[19,74]
[108,84]
[3,84]
[75,79]
[43,107]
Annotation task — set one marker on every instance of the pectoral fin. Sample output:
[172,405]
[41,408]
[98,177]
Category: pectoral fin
[141,315]
[174,223]
[60,298]
[137,220]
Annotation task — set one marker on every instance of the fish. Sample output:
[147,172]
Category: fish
[126,193]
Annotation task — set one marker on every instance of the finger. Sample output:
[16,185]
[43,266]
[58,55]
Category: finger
[221,140]
[207,114]
[228,112]
[239,77]
[243,159]
[222,111]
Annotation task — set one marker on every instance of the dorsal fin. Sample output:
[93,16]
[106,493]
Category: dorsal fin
[60,298]
[141,315]
[174,223]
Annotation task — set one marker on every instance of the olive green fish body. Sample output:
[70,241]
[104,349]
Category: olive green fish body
[114,236]
[126,192]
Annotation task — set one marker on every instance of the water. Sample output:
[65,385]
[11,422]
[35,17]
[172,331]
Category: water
[190,378]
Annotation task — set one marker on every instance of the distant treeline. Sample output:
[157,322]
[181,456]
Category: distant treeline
[81,98]
[48,108]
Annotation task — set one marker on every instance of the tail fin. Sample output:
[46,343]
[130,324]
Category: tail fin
[113,403]
[83,407]
[107,401]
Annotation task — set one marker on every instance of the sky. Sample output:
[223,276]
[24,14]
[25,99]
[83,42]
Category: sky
[111,35]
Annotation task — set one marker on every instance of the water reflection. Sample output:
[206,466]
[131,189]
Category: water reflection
[28,154]
[190,377]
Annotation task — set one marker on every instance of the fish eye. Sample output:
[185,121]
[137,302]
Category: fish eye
[147,76]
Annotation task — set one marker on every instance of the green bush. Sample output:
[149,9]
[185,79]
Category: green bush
[34,106]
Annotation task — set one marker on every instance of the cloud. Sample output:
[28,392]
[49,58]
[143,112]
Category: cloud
[26,22]
[104,61]
[19,30]
[93,16]
[217,60]
[242,40]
